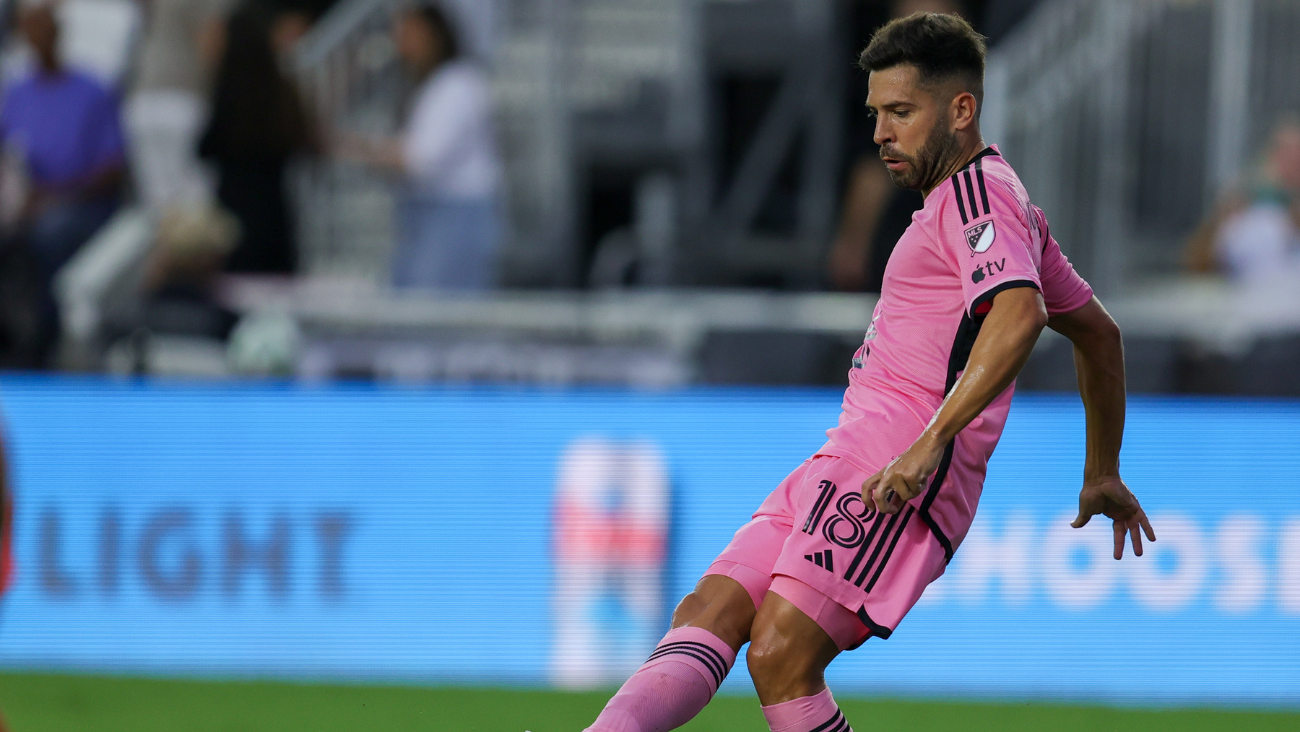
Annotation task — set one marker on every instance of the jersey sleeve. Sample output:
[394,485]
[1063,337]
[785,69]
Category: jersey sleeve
[1064,291]
[985,232]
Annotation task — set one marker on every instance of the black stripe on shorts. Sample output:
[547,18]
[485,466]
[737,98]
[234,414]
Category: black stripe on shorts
[889,552]
[862,548]
[879,548]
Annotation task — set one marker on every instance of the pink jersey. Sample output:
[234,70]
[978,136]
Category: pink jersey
[976,236]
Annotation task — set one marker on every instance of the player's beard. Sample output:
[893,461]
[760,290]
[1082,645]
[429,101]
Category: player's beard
[928,166]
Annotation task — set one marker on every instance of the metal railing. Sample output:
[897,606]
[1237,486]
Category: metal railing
[1127,118]
[555,60]
[586,85]
[349,70]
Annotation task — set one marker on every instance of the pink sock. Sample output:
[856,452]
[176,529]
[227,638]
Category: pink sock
[816,713]
[681,676]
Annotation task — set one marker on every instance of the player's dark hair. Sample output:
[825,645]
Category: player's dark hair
[941,47]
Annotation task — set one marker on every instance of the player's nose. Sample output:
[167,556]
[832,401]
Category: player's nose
[883,133]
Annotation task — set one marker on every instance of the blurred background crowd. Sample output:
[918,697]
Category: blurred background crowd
[645,192]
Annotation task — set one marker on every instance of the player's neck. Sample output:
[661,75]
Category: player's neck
[973,145]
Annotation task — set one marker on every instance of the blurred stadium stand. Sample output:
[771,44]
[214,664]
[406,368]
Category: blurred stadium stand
[642,338]
[605,106]
[1127,120]
[678,159]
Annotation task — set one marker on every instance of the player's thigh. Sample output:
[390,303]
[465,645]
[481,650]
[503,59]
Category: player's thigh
[728,596]
[754,549]
[788,652]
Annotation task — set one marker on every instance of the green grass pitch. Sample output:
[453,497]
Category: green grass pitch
[55,703]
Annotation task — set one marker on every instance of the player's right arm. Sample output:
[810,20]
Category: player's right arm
[1099,363]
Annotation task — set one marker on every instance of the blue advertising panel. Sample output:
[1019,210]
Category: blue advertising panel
[447,535]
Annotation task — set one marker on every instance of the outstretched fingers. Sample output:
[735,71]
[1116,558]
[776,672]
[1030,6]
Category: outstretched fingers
[1135,531]
[1146,525]
[1134,526]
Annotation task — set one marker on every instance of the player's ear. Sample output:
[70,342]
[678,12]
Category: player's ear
[964,110]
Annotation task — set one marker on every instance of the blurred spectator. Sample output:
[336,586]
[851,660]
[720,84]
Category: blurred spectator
[1254,233]
[288,26]
[169,107]
[192,245]
[258,125]
[448,216]
[64,127]
[875,213]
[62,138]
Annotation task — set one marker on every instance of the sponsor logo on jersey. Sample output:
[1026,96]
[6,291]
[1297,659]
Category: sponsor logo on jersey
[986,270]
[980,237]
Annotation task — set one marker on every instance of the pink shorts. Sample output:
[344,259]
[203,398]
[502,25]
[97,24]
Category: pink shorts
[816,544]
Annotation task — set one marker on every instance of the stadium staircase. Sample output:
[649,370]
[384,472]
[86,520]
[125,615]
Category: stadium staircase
[554,62]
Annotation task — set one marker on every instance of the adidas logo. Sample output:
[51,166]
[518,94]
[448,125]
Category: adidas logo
[823,559]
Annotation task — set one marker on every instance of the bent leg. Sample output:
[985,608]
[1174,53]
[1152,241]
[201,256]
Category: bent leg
[688,665]
[709,626]
[789,652]
[720,605]
[788,656]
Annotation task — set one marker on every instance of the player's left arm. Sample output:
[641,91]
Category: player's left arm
[1099,363]
[1005,341]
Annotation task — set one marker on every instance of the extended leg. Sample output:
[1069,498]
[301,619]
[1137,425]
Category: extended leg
[788,655]
[688,665]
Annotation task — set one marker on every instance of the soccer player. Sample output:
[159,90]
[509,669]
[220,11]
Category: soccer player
[843,548]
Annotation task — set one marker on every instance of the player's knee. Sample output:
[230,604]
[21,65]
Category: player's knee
[716,605]
[770,655]
[687,609]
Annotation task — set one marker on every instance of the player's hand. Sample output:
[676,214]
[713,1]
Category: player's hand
[904,478]
[1109,496]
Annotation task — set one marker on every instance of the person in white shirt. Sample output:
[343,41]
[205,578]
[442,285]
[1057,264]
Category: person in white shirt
[1262,241]
[448,214]
[1253,235]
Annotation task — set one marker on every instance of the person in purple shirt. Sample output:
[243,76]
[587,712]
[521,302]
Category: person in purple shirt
[65,127]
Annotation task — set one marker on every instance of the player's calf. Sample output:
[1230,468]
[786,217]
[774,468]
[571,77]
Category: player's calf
[788,655]
[689,664]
